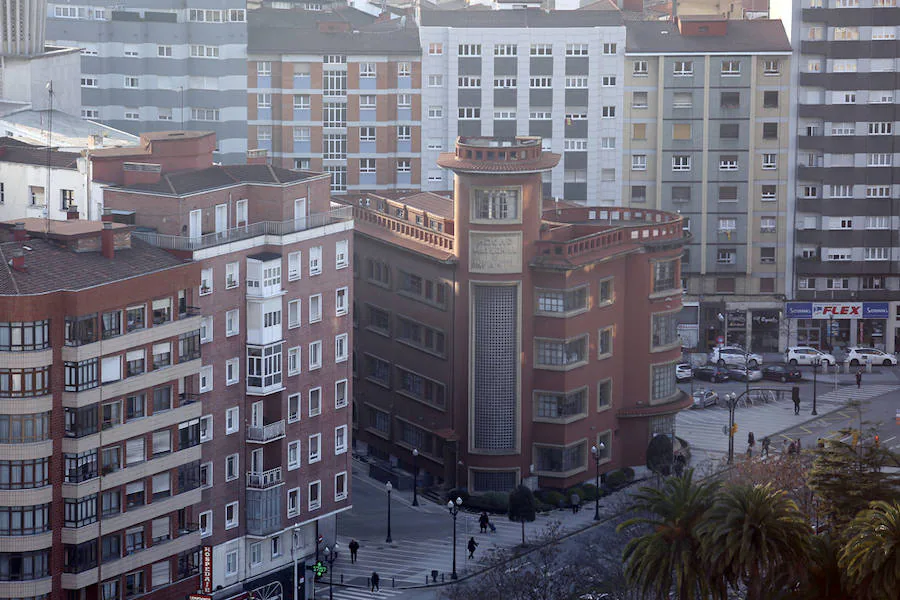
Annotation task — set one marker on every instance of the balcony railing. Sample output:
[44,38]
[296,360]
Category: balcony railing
[263,480]
[183,242]
[266,433]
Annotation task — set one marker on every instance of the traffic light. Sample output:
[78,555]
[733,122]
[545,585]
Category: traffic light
[877,441]
[733,429]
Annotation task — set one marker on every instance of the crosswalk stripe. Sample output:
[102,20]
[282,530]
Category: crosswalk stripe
[355,593]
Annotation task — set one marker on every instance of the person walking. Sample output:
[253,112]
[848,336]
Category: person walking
[858,378]
[354,548]
[471,546]
[575,500]
[483,521]
[375,579]
[795,396]
[765,446]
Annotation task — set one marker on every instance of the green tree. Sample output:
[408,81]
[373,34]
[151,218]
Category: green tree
[847,476]
[660,455]
[755,536]
[668,553]
[823,574]
[522,507]
[870,558]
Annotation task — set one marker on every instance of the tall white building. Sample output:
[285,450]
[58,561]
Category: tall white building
[525,71]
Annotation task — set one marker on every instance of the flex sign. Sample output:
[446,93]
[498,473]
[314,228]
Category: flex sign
[842,310]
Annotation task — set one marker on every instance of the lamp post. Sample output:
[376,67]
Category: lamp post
[415,453]
[597,452]
[816,362]
[454,510]
[730,399]
[389,487]
[331,555]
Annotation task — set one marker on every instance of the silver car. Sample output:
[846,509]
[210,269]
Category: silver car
[704,398]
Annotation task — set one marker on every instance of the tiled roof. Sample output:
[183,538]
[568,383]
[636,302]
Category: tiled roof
[291,31]
[449,160]
[757,35]
[50,267]
[189,182]
[522,17]
[16,151]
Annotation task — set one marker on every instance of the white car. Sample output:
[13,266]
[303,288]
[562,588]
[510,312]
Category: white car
[683,372]
[733,356]
[807,355]
[860,356]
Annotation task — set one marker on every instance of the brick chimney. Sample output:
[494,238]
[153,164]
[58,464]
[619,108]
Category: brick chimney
[72,212]
[107,216]
[18,261]
[19,233]
[107,246]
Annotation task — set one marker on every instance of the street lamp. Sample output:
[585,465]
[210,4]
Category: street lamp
[816,362]
[331,555]
[415,477]
[454,510]
[597,452]
[389,487]
[730,400]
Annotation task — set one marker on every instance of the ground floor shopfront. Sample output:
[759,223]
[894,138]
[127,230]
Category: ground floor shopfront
[835,325]
[759,326]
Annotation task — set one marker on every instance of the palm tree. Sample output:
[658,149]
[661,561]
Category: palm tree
[668,554]
[870,559]
[823,574]
[756,536]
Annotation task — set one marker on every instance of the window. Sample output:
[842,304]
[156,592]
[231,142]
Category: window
[727,225]
[837,255]
[662,381]
[293,358]
[608,112]
[232,322]
[873,282]
[768,193]
[640,68]
[770,131]
[341,348]
[315,260]
[771,67]
[681,131]
[606,143]
[881,128]
[341,303]
[581,82]
[769,161]
[496,204]
[231,467]
[132,82]
[404,133]
[293,314]
[340,486]
[505,82]
[681,162]
[206,282]
[506,50]
[846,33]
[469,112]
[559,459]
[293,502]
[293,408]
[879,159]
[435,80]
[683,68]
[767,224]
[728,162]
[878,191]
[728,193]
[435,112]
[730,99]
[639,193]
[557,406]
[876,254]
[731,68]
[293,453]
[541,50]
[315,448]
[469,50]
[231,515]
[837,283]
[232,420]
[767,256]
[878,222]
[340,440]
[206,378]
[639,131]
[561,353]
[770,99]
[206,329]
[315,355]
[639,99]
[340,393]
[665,275]
[639,162]
[315,495]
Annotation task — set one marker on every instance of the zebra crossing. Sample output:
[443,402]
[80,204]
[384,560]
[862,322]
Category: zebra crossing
[706,430]
[363,593]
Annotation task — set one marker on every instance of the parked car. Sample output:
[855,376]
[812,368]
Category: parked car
[733,356]
[711,373]
[860,356]
[683,372]
[807,355]
[782,373]
[704,398]
[745,375]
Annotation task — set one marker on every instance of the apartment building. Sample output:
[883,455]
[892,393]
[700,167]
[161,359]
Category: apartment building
[336,88]
[496,331]
[100,469]
[706,134]
[845,243]
[155,66]
[274,297]
[525,71]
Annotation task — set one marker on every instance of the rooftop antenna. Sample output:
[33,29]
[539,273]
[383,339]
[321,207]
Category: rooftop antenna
[49,87]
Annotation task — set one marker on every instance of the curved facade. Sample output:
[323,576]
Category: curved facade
[559,327]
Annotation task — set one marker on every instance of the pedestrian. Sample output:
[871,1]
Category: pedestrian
[751,439]
[471,546]
[795,396]
[354,548]
[858,378]
[575,499]
[375,579]
[492,526]
[784,446]
[483,521]
[765,446]
[792,449]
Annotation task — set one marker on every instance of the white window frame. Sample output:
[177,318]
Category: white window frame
[293,361]
[293,465]
[293,497]
[314,451]
[206,433]
[293,417]
[314,355]
[340,448]
[207,516]
[295,265]
[314,503]
[232,463]
[233,365]
[341,253]
[294,319]
[342,340]
[232,420]
[232,275]
[341,301]
[235,520]
[315,260]
[234,317]
[206,372]
[338,403]
[340,492]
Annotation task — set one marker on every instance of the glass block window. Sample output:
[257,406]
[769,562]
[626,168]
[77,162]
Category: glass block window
[493,481]
[496,367]
[662,384]
[664,329]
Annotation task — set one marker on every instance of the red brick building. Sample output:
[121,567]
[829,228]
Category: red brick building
[502,337]
[99,433]
[274,293]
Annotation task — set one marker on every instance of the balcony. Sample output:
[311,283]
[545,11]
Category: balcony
[266,433]
[275,228]
[263,480]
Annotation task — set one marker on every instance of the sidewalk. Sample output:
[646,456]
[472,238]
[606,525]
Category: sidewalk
[422,537]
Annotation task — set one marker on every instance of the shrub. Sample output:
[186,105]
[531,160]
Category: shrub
[575,490]
[629,474]
[493,502]
[616,479]
[552,497]
[590,492]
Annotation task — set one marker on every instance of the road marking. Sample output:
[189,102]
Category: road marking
[893,437]
[805,430]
